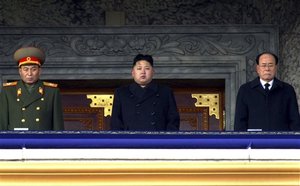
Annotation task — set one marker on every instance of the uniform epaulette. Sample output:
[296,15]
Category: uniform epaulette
[10,84]
[48,84]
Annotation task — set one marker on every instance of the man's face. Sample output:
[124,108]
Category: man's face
[142,72]
[267,68]
[30,73]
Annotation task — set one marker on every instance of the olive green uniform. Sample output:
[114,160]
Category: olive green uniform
[37,109]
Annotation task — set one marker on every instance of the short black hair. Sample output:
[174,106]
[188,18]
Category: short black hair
[274,55]
[143,57]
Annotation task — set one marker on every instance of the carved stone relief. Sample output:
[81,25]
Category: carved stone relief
[90,42]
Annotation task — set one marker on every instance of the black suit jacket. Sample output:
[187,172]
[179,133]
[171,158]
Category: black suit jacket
[275,111]
[152,108]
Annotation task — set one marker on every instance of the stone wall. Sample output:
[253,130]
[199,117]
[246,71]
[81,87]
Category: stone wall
[283,13]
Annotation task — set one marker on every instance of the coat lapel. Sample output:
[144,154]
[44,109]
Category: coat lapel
[276,84]
[255,84]
[150,90]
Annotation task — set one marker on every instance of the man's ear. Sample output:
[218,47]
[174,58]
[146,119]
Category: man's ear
[40,71]
[256,68]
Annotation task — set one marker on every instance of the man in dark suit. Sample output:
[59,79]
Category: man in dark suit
[30,104]
[144,105]
[266,103]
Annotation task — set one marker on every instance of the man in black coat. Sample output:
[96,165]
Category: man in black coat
[266,103]
[144,105]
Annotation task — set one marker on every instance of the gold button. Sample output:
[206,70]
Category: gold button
[37,108]
[42,99]
[23,120]
[37,119]
[23,108]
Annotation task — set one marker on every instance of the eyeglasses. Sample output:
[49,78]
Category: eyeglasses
[270,65]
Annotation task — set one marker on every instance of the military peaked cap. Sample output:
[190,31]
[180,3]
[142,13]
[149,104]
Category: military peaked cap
[29,55]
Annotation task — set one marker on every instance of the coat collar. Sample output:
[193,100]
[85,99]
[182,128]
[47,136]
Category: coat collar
[256,84]
[148,91]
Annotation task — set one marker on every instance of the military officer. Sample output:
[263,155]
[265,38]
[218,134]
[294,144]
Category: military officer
[144,105]
[30,104]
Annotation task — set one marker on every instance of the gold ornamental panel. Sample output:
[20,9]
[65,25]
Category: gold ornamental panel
[150,173]
[102,100]
[212,101]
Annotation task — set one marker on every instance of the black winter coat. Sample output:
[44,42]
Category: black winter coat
[152,108]
[275,111]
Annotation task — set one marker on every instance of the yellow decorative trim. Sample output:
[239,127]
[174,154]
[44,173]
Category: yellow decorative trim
[209,100]
[146,173]
[86,121]
[193,119]
[104,101]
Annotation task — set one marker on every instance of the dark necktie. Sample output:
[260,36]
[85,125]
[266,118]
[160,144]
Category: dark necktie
[267,87]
